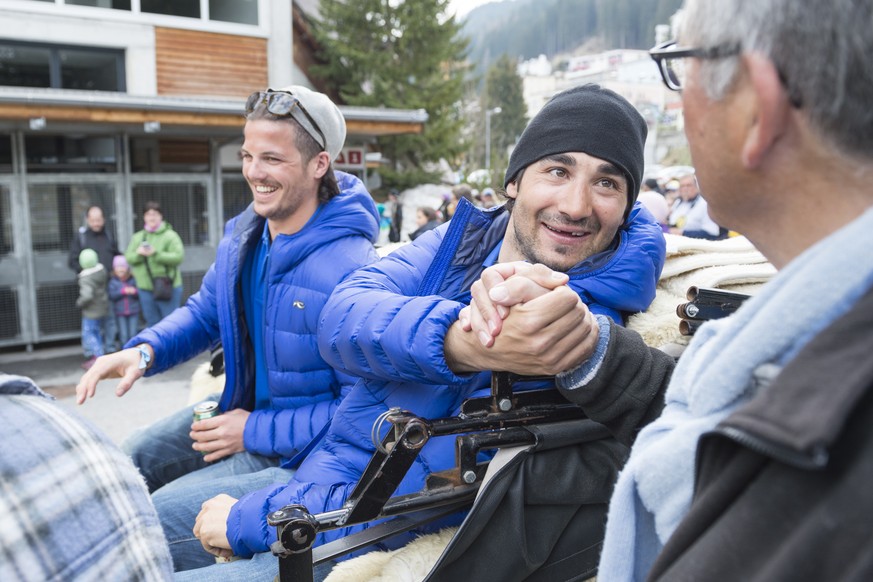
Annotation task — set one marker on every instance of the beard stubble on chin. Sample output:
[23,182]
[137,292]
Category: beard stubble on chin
[531,248]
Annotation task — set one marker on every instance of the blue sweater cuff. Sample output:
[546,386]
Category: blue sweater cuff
[579,377]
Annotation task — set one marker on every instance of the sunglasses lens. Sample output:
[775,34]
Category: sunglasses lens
[254,100]
[281,103]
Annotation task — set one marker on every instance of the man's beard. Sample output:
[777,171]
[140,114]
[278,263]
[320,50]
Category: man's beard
[527,243]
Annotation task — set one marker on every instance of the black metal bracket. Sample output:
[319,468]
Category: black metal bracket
[484,423]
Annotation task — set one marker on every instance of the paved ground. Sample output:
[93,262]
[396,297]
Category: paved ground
[56,370]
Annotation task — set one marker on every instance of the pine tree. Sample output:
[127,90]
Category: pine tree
[406,54]
[504,89]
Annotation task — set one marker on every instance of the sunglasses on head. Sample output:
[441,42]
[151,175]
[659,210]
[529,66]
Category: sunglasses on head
[283,104]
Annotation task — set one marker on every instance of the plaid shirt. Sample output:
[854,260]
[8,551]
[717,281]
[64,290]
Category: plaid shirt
[72,505]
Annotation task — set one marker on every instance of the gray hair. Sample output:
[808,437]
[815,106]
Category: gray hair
[820,48]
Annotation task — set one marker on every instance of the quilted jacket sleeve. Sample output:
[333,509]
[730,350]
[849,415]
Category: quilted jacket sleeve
[184,333]
[376,326]
[323,483]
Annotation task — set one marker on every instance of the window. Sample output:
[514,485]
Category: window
[153,155]
[23,66]
[116,4]
[83,69]
[61,67]
[62,153]
[189,8]
[240,11]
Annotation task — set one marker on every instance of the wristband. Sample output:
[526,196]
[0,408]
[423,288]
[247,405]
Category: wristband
[144,357]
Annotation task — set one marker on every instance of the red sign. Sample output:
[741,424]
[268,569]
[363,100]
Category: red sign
[350,158]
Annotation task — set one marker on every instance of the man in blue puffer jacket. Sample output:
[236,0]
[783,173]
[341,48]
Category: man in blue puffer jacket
[572,183]
[307,229]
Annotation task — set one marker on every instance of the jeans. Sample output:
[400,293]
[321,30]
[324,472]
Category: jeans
[92,338]
[263,566]
[110,334]
[179,503]
[128,325]
[162,452]
[153,310]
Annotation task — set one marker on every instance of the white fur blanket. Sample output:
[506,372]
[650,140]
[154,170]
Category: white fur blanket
[732,265]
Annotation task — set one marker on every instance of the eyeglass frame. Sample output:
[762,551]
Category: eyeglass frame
[266,97]
[664,51]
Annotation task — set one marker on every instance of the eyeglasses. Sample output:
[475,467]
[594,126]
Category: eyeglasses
[671,60]
[283,104]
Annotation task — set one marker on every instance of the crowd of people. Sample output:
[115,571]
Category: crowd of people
[680,208]
[745,459]
[428,217]
[117,290]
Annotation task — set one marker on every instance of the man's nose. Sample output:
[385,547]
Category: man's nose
[253,170]
[576,203]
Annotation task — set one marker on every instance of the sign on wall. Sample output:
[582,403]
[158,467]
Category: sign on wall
[350,158]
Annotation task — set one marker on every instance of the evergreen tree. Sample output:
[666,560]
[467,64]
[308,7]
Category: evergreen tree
[503,89]
[406,54]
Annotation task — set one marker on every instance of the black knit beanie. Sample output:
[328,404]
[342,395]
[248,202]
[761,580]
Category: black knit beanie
[587,119]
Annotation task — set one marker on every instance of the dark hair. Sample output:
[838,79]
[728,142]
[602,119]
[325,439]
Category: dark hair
[510,202]
[152,205]
[428,212]
[463,191]
[653,185]
[306,145]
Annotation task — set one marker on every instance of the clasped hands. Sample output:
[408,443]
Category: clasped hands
[523,318]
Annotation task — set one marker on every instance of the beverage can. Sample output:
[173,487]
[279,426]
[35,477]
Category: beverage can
[205,410]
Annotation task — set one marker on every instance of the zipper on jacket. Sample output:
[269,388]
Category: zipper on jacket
[813,460]
[447,249]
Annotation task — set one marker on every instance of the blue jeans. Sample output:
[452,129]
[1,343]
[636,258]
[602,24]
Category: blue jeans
[179,503]
[110,334]
[261,567]
[162,452]
[153,310]
[92,337]
[128,325]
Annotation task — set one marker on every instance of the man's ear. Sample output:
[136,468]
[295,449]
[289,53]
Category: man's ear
[511,190]
[321,163]
[770,109]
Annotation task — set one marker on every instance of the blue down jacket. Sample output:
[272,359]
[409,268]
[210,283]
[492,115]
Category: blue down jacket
[386,324]
[303,269]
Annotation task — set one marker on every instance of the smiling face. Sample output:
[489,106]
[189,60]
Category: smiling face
[567,207]
[284,185]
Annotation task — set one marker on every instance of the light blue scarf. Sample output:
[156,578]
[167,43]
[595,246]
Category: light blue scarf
[726,363]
